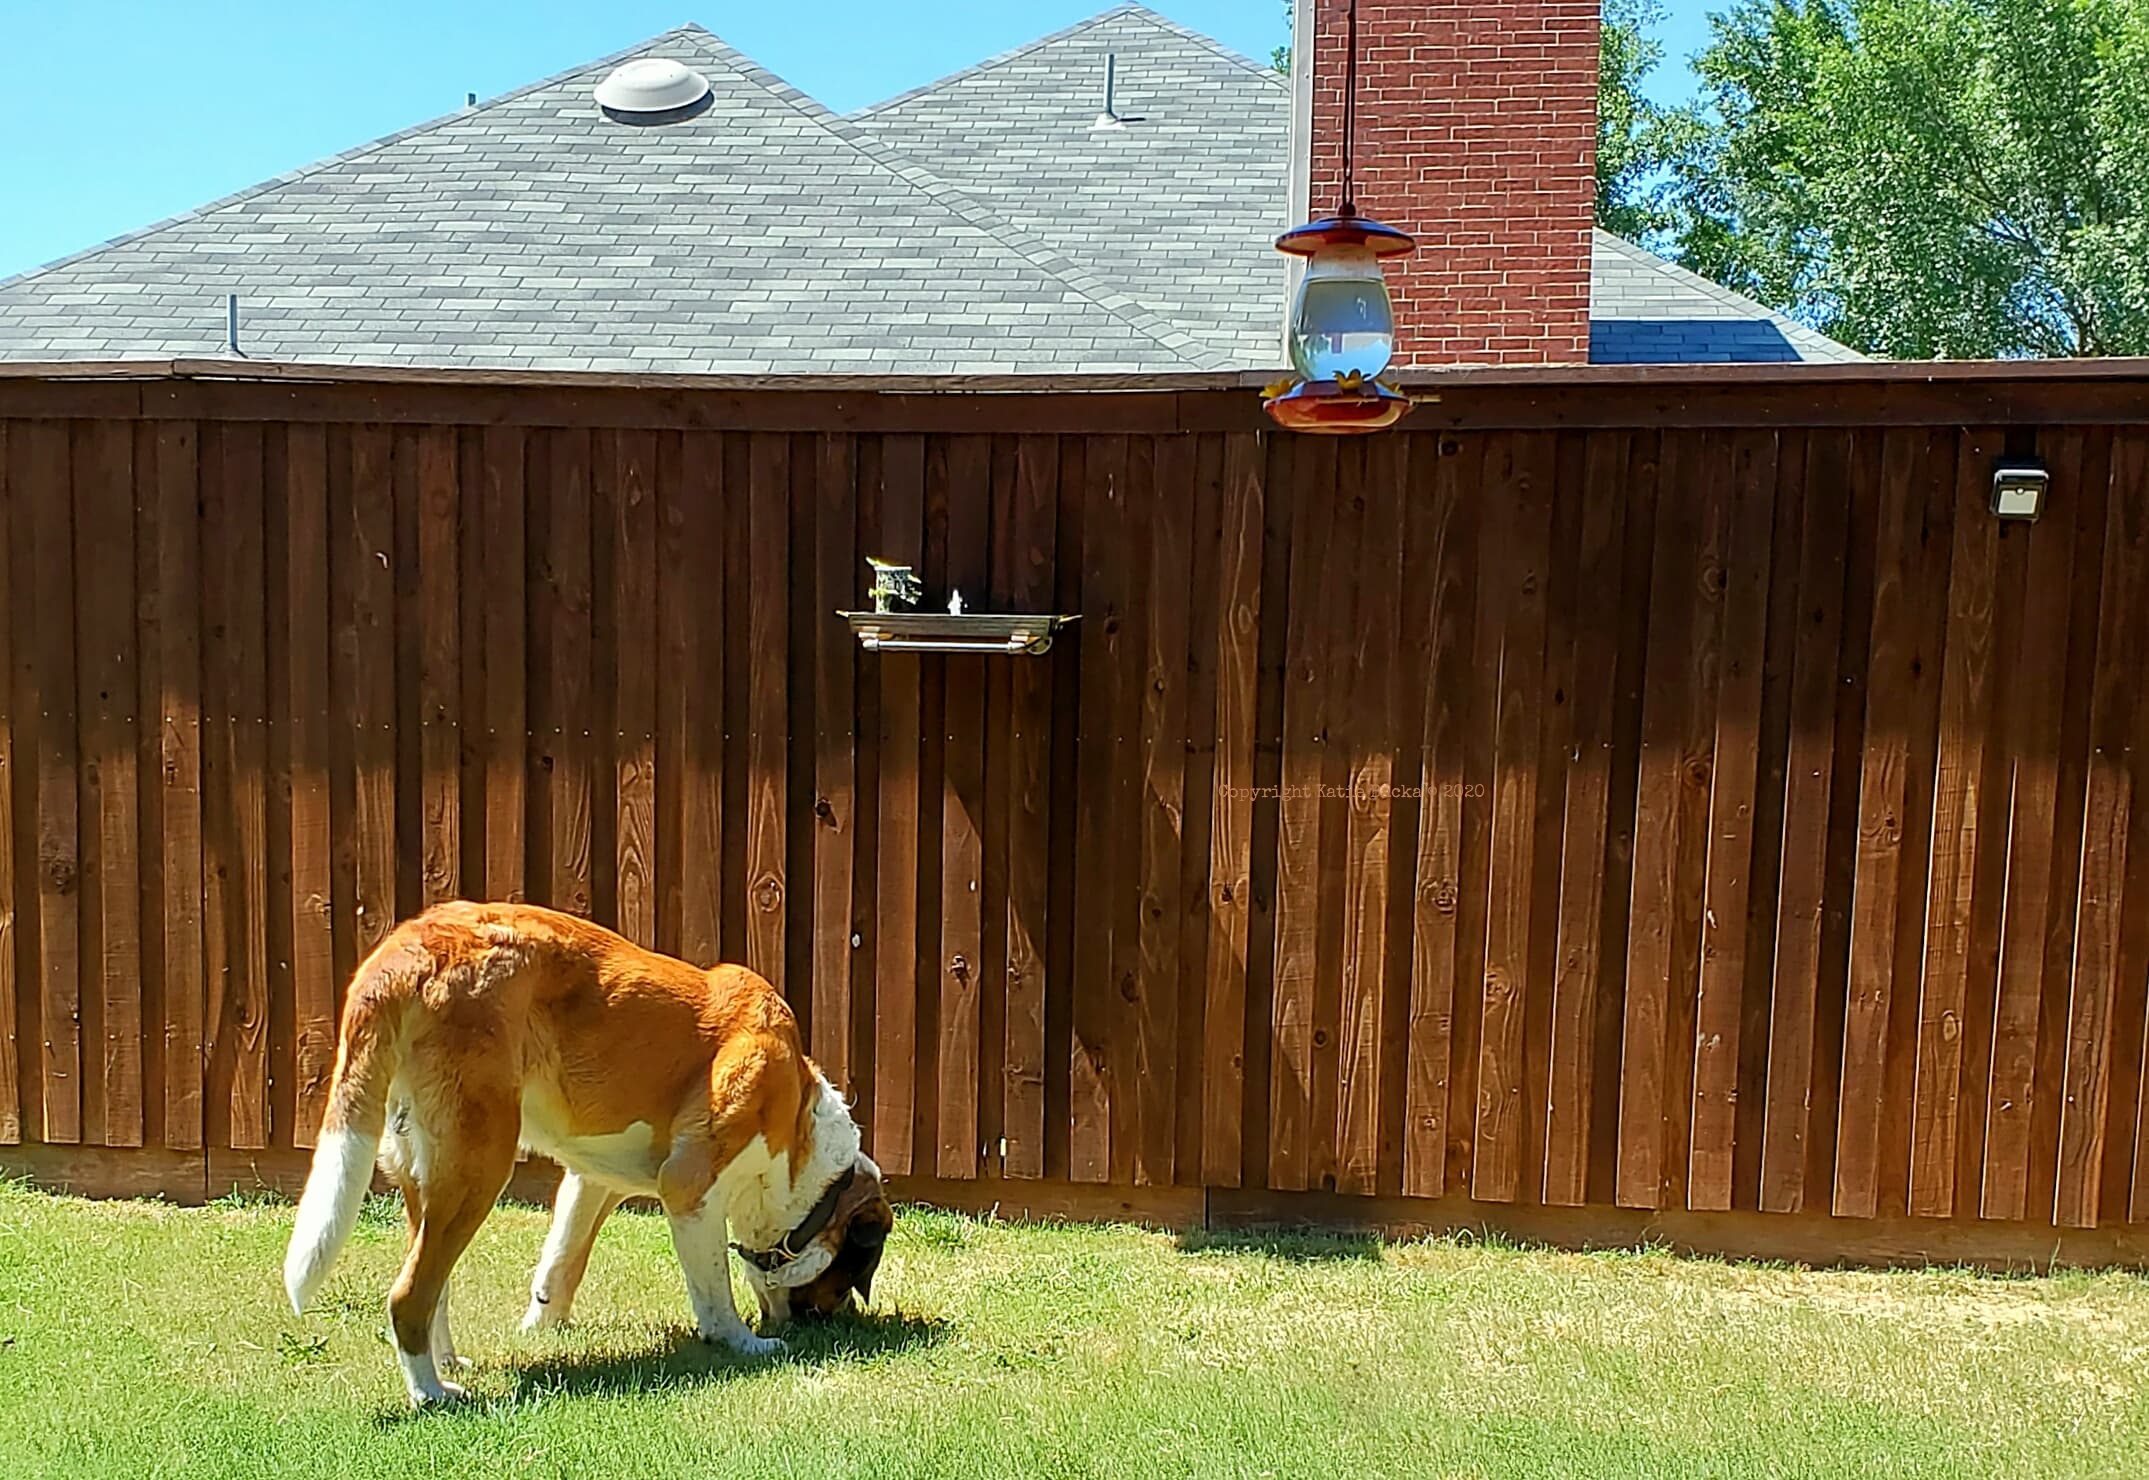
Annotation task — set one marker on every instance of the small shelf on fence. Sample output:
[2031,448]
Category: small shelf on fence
[942,632]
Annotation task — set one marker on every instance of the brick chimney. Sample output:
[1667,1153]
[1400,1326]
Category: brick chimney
[1476,134]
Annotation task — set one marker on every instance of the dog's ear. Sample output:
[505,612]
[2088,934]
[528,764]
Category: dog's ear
[863,1280]
[865,1236]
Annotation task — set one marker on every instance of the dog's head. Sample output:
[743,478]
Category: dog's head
[843,1257]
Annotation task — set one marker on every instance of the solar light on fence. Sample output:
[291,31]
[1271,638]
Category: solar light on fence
[2018,488]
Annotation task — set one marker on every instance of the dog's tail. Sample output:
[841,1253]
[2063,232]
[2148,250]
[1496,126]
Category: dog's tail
[367,1055]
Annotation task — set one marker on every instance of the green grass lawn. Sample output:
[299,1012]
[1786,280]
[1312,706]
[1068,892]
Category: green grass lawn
[138,1340]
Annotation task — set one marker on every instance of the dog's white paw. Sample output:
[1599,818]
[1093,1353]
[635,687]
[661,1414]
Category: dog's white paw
[542,1318]
[450,1392]
[745,1343]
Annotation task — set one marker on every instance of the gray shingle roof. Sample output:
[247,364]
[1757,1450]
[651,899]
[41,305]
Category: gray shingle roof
[1644,310]
[977,225]
[1180,208]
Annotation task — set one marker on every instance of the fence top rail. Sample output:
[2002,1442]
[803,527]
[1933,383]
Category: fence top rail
[1859,393]
[1429,378]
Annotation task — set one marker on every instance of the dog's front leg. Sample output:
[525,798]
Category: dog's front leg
[694,1203]
[705,1259]
[699,1237]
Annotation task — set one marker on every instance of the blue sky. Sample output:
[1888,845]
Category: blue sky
[116,115]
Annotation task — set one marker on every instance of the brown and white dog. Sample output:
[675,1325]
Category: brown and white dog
[477,1027]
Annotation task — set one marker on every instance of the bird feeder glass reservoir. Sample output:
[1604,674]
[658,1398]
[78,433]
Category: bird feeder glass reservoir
[1342,332]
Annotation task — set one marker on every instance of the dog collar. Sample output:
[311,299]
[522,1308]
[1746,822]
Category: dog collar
[792,1245]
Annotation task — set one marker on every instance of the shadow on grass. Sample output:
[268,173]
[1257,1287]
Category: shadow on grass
[683,1360]
[1298,1245]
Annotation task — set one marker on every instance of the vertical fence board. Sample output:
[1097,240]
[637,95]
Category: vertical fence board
[103,458]
[1161,736]
[146,741]
[634,740]
[767,734]
[313,962]
[1441,531]
[1730,843]
[999,745]
[12,518]
[2070,802]
[179,749]
[1686,600]
[697,600]
[960,974]
[506,663]
[1579,970]
[246,1019]
[2108,808]
[369,641]
[19,690]
[1881,807]
[1305,753]
[1966,690]
[42,468]
[1368,763]
[217,847]
[440,671]
[1136,509]
[1238,638]
[1343,484]
[836,581]
[574,753]
[1556,750]
[1025,564]
[674,646]
[2033,719]
[1105,599]
[2124,1152]
[1518,476]
[1932,552]
[896,959]
[1808,785]
[1206,489]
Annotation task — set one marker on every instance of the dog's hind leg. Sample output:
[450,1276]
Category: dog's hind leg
[444,1357]
[456,1191]
[443,1342]
[577,1213]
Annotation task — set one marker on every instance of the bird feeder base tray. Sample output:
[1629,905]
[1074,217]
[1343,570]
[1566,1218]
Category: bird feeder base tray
[946,632]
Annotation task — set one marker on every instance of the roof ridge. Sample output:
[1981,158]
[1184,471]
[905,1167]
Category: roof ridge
[291,177]
[1038,253]
[1208,43]
[974,68]
[755,72]
[1729,297]
[1139,12]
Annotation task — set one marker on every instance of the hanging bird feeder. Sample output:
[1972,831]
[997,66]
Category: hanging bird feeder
[1342,332]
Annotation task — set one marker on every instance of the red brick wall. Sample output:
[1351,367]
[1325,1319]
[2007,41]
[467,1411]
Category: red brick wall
[1476,134]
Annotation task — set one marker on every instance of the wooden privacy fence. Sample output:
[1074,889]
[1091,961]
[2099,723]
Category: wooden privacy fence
[1620,792]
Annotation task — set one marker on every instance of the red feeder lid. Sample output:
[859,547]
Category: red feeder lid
[1327,407]
[1349,230]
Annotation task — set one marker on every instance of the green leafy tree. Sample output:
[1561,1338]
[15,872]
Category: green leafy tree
[1639,141]
[1923,178]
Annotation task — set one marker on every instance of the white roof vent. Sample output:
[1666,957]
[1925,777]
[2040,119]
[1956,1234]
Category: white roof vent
[652,90]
